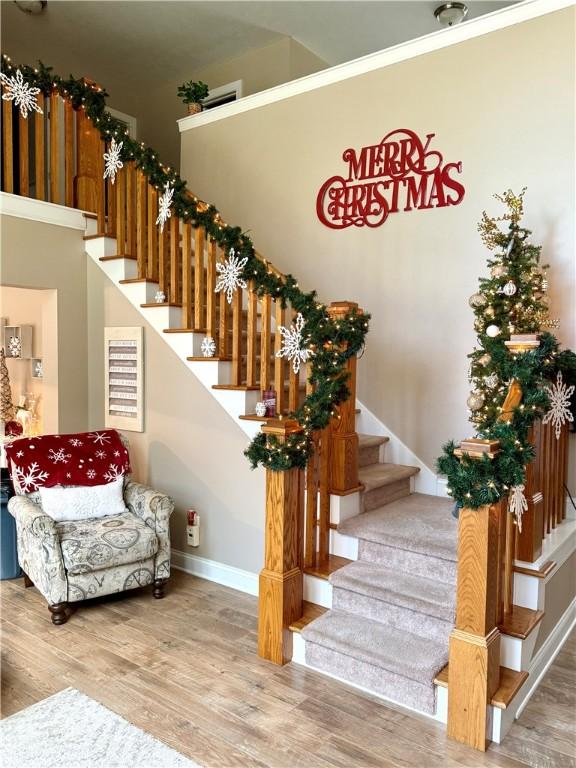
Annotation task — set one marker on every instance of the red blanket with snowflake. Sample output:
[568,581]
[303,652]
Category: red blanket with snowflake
[86,458]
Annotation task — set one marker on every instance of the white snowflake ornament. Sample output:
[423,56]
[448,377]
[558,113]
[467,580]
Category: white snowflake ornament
[22,94]
[230,271]
[112,162]
[164,204]
[292,344]
[159,297]
[208,346]
[517,504]
[559,413]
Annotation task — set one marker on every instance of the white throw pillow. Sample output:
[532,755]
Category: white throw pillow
[80,502]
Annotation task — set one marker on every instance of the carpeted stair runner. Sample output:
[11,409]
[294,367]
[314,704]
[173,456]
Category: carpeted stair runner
[393,609]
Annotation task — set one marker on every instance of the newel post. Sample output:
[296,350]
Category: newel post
[281,579]
[474,651]
[343,436]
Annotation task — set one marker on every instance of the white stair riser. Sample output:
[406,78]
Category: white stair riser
[344,507]
[162,317]
[317,591]
[343,546]
[101,246]
[212,372]
[516,653]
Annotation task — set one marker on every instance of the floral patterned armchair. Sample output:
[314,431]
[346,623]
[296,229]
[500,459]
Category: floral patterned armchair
[73,561]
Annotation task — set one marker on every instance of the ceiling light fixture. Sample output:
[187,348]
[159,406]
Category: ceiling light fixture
[449,14]
[31,7]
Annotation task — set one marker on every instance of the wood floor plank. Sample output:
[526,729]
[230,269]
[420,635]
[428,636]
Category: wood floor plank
[185,670]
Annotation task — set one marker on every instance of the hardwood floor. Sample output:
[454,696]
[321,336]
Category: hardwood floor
[185,670]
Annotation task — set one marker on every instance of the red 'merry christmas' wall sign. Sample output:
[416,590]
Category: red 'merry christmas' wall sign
[398,174]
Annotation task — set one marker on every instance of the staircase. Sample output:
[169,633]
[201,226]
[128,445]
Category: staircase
[391,610]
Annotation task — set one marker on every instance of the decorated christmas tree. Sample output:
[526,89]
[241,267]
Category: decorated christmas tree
[516,371]
[6,405]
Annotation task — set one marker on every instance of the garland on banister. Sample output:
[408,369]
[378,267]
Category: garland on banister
[513,300]
[326,342]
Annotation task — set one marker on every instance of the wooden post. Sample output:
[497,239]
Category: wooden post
[474,651]
[281,579]
[343,436]
[88,147]
[529,540]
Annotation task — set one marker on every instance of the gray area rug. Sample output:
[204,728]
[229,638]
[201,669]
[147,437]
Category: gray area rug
[71,730]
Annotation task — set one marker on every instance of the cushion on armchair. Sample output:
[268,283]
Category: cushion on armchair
[90,545]
[83,502]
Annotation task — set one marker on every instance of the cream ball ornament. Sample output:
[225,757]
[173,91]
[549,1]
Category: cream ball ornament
[492,331]
[477,300]
[475,401]
[510,288]
[498,270]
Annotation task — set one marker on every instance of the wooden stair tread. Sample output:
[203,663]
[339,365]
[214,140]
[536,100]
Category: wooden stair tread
[540,573]
[184,330]
[310,611]
[161,304]
[378,475]
[129,280]
[237,387]
[324,570]
[214,358]
[520,622]
[510,683]
[117,256]
[371,441]
[96,236]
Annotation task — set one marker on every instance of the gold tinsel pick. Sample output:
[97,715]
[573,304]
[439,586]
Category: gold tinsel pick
[491,235]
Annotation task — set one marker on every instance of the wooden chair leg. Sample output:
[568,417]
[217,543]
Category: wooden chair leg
[27,581]
[158,590]
[59,613]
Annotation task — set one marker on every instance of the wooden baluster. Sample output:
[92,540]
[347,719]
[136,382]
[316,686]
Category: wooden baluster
[293,381]
[344,439]
[187,275]
[210,294]
[501,568]
[121,212]
[8,147]
[509,550]
[265,341]
[281,579]
[563,471]
[199,281]
[111,219]
[175,266]
[529,540]
[324,502]
[101,191]
[312,482]
[279,363]
[23,157]
[141,222]
[54,150]
[153,229]
[252,343]
[237,337]
[548,471]
[130,209]
[39,150]
[223,325]
[474,651]
[164,262]
[69,153]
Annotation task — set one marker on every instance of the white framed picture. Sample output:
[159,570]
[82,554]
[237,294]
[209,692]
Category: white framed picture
[124,378]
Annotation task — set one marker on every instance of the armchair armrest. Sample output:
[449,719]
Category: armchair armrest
[39,551]
[154,508]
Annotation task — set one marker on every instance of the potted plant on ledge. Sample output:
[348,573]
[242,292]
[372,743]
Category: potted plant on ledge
[192,94]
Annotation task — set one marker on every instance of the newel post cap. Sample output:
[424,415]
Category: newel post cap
[281,427]
[342,308]
[476,448]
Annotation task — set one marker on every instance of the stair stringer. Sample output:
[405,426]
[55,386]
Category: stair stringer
[209,372]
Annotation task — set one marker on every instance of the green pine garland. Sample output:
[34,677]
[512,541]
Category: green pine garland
[476,482]
[334,341]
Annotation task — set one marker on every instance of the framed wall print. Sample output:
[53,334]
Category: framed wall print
[124,383]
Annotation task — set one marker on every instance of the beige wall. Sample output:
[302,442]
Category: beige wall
[21,306]
[560,593]
[35,255]
[503,104]
[190,448]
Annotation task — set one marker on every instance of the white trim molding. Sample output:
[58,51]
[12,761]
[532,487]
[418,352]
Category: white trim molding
[443,38]
[227,575]
[39,210]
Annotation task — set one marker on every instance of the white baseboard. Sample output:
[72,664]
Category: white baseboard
[227,575]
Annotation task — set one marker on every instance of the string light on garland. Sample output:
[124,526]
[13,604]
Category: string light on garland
[112,162]
[334,342]
[22,94]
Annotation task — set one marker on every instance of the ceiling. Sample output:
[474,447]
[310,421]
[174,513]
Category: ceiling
[165,38]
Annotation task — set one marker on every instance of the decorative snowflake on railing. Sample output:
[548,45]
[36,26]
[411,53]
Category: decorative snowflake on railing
[517,504]
[112,160]
[559,413]
[230,271]
[22,94]
[59,456]
[164,203]
[30,479]
[292,344]
[208,346]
